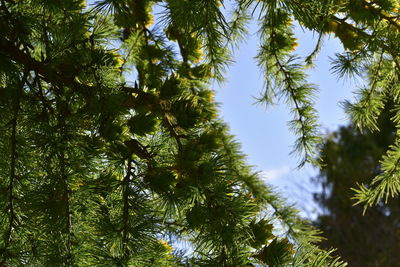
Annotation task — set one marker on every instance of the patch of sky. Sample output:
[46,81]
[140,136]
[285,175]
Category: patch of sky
[263,132]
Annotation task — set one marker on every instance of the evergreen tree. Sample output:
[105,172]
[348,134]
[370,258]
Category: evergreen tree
[111,143]
[112,150]
[352,157]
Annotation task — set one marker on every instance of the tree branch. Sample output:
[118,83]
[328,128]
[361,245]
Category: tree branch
[126,206]
[13,160]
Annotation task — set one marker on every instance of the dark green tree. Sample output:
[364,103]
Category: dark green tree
[351,158]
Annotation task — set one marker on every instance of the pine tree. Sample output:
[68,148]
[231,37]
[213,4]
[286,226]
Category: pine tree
[111,140]
[112,150]
[352,157]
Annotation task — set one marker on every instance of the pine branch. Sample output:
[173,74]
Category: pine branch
[307,131]
[65,187]
[125,208]
[165,113]
[310,58]
[386,184]
[365,112]
[48,73]
[364,35]
[144,31]
[237,26]
[391,20]
[208,173]
[13,161]
[287,79]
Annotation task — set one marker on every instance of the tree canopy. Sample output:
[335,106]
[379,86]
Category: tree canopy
[352,157]
[112,149]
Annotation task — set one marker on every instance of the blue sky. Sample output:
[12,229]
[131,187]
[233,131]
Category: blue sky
[263,132]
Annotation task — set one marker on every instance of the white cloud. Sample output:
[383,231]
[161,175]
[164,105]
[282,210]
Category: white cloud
[275,174]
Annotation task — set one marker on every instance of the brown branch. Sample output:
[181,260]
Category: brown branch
[361,33]
[135,147]
[66,190]
[126,206]
[380,13]
[49,73]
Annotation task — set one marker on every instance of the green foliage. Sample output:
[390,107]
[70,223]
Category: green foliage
[352,157]
[285,78]
[277,253]
[262,232]
[369,32]
[384,185]
[142,124]
[111,142]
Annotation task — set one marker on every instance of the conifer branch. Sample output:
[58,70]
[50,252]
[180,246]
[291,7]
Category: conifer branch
[310,58]
[136,90]
[125,208]
[46,105]
[97,124]
[165,113]
[65,187]
[364,35]
[287,79]
[304,128]
[48,73]
[386,184]
[13,165]
[172,131]
[365,112]
[391,20]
